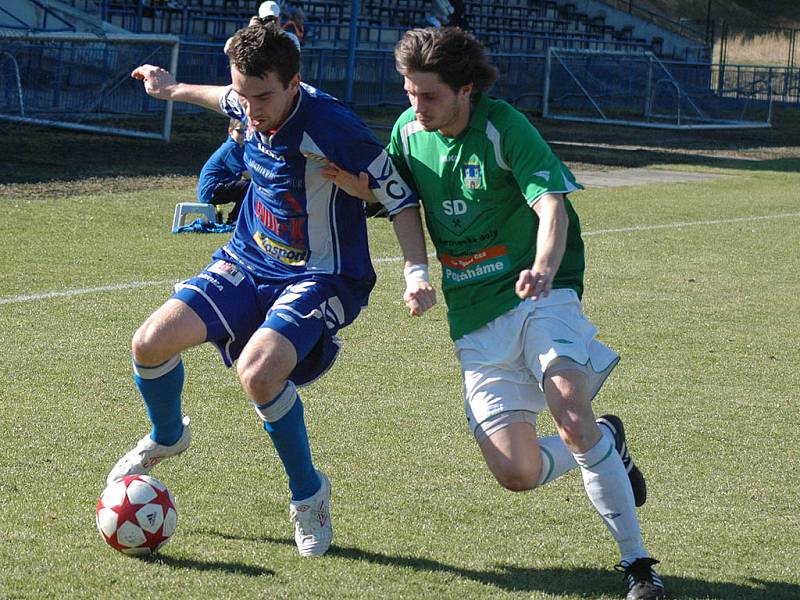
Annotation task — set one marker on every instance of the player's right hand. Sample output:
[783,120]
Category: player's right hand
[158,83]
[419,297]
[355,185]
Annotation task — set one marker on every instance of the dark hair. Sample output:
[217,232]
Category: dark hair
[262,47]
[452,53]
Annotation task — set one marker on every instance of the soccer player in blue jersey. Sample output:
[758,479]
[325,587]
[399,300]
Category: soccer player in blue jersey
[296,270]
[220,180]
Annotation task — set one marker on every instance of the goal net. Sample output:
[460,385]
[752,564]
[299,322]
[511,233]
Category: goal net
[82,81]
[638,89]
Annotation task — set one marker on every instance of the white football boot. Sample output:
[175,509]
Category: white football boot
[147,454]
[311,518]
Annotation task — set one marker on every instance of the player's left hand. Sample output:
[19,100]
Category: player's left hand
[534,284]
[355,185]
[419,297]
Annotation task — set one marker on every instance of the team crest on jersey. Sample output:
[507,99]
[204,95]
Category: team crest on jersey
[472,175]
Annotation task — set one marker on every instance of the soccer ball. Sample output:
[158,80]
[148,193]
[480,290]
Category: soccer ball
[136,515]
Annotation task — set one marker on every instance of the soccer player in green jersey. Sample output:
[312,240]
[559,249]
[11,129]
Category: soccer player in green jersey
[509,241]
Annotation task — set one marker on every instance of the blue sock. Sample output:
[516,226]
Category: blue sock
[161,388]
[290,438]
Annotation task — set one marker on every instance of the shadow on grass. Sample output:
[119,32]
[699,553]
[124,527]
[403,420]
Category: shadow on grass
[77,156]
[642,157]
[233,568]
[582,582]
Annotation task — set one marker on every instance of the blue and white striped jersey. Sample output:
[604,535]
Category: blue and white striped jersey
[293,221]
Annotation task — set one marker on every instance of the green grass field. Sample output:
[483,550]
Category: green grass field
[695,285]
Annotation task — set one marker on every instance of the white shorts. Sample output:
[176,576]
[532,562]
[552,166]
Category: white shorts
[503,363]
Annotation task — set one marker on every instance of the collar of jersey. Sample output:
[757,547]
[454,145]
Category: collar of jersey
[481,113]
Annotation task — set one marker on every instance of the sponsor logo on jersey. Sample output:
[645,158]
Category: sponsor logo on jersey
[292,228]
[295,257]
[389,181]
[471,171]
[446,158]
[227,271]
[461,270]
[270,153]
[212,280]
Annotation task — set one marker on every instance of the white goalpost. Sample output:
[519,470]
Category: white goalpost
[81,81]
[638,89]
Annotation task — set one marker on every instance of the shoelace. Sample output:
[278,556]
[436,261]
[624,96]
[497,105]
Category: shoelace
[638,570]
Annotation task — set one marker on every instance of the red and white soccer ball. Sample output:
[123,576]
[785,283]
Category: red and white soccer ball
[136,515]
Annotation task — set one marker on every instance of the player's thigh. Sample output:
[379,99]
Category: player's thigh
[226,300]
[172,328]
[495,377]
[309,314]
[555,329]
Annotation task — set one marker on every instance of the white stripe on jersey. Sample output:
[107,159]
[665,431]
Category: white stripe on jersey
[494,137]
[406,132]
[319,193]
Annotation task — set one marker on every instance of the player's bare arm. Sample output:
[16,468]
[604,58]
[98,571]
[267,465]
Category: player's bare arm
[160,83]
[355,185]
[420,294]
[551,241]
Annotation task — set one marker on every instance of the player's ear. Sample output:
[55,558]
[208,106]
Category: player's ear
[466,90]
[294,82]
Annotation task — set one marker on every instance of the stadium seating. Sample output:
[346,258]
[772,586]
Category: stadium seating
[514,26]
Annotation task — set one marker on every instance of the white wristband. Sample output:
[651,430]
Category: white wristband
[415,274]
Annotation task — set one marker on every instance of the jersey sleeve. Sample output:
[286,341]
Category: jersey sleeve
[234,159]
[352,146]
[231,106]
[395,151]
[389,186]
[534,166]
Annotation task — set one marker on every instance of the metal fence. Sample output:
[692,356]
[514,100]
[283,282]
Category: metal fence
[90,81]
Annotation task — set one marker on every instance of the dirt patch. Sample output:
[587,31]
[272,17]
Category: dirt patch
[625,177]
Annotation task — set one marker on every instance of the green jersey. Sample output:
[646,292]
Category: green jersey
[477,191]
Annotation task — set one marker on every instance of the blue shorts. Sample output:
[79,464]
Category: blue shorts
[308,311]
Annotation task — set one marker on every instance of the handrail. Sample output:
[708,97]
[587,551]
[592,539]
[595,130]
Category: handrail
[675,26]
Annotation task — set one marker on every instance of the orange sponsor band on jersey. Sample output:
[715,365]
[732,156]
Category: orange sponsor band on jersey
[464,262]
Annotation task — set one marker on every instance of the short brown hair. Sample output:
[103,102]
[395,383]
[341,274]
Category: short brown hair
[452,53]
[262,47]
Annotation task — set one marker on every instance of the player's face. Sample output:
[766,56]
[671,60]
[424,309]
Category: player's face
[266,102]
[435,103]
[237,134]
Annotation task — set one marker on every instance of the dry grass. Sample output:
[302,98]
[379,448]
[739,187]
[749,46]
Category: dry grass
[760,49]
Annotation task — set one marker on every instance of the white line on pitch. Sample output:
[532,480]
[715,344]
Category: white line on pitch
[82,291]
[690,224]
[386,259]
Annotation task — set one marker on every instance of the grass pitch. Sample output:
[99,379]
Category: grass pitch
[695,285]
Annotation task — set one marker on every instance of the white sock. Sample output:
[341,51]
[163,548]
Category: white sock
[609,489]
[557,459]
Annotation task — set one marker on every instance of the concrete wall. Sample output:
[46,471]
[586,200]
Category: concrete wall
[673,43]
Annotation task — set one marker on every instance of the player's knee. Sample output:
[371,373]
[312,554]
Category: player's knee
[517,480]
[147,347]
[256,380]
